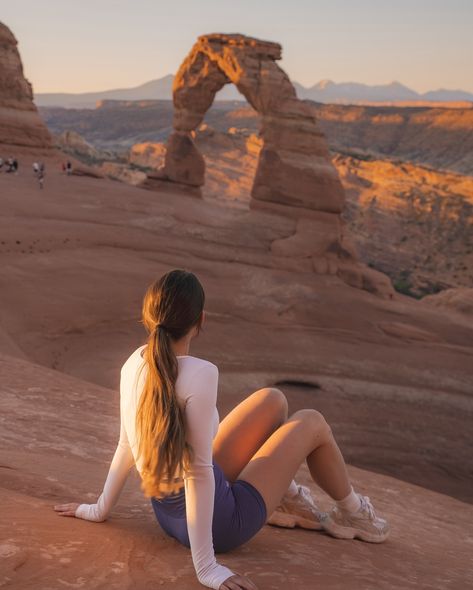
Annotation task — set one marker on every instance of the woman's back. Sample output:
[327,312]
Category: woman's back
[195,377]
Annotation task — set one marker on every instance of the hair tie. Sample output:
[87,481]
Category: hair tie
[160,326]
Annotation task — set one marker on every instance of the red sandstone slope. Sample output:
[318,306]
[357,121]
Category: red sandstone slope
[58,440]
[77,257]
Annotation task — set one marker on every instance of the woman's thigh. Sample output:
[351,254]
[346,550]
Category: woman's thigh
[242,432]
[275,464]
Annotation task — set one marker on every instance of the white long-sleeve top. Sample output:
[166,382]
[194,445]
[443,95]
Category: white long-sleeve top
[196,390]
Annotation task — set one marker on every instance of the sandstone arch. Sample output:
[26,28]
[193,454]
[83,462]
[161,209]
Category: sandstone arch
[294,176]
[294,167]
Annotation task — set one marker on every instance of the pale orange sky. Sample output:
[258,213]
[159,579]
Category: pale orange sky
[102,44]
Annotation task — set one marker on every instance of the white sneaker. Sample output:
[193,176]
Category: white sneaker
[299,510]
[364,524]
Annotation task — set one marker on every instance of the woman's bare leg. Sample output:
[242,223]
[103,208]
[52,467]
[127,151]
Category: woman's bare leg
[305,436]
[246,428]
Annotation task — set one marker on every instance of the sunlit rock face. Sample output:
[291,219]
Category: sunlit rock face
[294,167]
[20,124]
[294,175]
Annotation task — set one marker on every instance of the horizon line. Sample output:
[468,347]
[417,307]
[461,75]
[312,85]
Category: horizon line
[392,82]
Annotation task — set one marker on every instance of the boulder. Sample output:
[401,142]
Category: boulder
[459,300]
[363,277]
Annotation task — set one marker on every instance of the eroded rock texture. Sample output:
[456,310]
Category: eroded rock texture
[294,167]
[20,124]
[294,175]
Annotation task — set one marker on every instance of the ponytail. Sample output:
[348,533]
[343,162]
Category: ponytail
[162,445]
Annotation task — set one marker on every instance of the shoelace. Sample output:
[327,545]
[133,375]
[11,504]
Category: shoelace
[366,506]
[305,494]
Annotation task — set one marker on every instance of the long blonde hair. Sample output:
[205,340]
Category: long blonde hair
[172,306]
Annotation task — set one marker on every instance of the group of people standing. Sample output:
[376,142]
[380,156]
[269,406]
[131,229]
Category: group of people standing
[67,167]
[11,165]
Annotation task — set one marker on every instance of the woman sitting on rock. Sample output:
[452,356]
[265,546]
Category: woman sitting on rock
[213,485]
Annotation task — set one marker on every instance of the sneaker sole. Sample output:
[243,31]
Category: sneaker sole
[343,532]
[289,521]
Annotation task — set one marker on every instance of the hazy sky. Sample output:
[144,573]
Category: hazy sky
[79,46]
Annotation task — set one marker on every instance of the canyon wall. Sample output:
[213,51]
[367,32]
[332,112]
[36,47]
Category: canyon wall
[20,123]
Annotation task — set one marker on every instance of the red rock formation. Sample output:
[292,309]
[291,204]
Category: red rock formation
[294,175]
[294,166]
[457,300]
[20,124]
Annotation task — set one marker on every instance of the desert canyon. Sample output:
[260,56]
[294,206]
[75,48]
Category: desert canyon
[343,277]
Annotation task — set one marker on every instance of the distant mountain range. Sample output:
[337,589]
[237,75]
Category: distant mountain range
[327,91]
[324,91]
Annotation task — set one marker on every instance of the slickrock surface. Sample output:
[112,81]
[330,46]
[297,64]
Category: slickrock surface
[76,259]
[20,124]
[458,300]
[57,438]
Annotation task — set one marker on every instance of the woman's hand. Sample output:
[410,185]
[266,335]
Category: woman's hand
[237,582]
[66,509]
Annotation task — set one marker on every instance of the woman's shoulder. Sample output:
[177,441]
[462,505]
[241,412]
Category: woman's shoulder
[187,362]
[134,359]
[196,378]
[196,365]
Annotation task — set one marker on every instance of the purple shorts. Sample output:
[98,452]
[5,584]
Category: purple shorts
[239,513]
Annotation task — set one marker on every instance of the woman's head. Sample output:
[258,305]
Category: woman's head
[174,304]
[172,307]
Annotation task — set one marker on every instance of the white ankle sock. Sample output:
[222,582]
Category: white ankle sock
[351,503]
[292,489]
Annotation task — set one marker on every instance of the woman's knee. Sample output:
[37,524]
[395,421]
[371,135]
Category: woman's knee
[275,398]
[315,421]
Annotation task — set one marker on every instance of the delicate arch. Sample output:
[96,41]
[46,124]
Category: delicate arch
[294,167]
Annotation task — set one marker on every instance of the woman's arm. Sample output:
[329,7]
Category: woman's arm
[122,462]
[199,478]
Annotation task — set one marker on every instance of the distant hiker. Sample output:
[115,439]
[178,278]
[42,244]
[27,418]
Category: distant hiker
[15,166]
[69,168]
[35,168]
[41,174]
[9,165]
[1,164]
[63,166]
